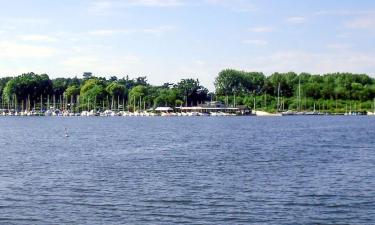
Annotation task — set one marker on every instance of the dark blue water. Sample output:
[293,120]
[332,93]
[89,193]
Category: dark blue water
[241,170]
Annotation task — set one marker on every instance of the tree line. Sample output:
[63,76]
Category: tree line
[334,92]
[36,91]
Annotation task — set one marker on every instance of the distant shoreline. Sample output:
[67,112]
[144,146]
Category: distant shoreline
[172,114]
[236,92]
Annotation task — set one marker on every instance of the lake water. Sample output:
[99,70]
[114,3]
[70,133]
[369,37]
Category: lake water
[238,170]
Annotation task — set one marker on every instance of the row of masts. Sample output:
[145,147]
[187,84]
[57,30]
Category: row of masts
[280,104]
[74,104]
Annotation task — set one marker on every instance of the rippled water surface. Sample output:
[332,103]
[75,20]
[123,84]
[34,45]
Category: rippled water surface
[242,170]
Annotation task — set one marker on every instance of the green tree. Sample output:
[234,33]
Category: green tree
[92,93]
[30,87]
[191,91]
[72,92]
[136,95]
[228,82]
[166,97]
[116,90]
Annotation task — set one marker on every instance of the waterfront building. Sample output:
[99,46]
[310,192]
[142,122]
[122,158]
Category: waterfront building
[215,107]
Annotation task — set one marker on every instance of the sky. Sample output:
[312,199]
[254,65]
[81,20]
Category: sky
[168,40]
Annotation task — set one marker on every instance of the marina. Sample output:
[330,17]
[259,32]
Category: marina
[173,112]
[212,109]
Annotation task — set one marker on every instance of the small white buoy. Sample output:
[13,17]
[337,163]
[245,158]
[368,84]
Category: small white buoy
[66,133]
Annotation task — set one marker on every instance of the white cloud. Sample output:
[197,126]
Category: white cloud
[261,29]
[156,31]
[344,12]
[15,71]
[12,23]
[199,62]
[107,7]
[344,35]
[365,22]
[37,38]
[338,46]
[110,7]
[234,5]
[255,42]
[300,61]
[157,3]
[110,32]
[296,20]
[100,64]
[16,50]
[100,7]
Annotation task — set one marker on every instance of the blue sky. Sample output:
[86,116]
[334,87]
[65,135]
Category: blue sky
[167,40]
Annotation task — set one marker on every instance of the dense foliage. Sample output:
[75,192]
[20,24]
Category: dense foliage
[31,90]
[336,92]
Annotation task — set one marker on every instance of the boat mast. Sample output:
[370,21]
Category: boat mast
[15,103]
[95,110]
[72,103]
[134,104]
[107,102]
[60,105]
[299,94]
[78,102]
[112,103]
[118,103]
[28,99]
[41,103]
[336,105]
[278,97]
[265,100]
[48,102]
[254,104]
